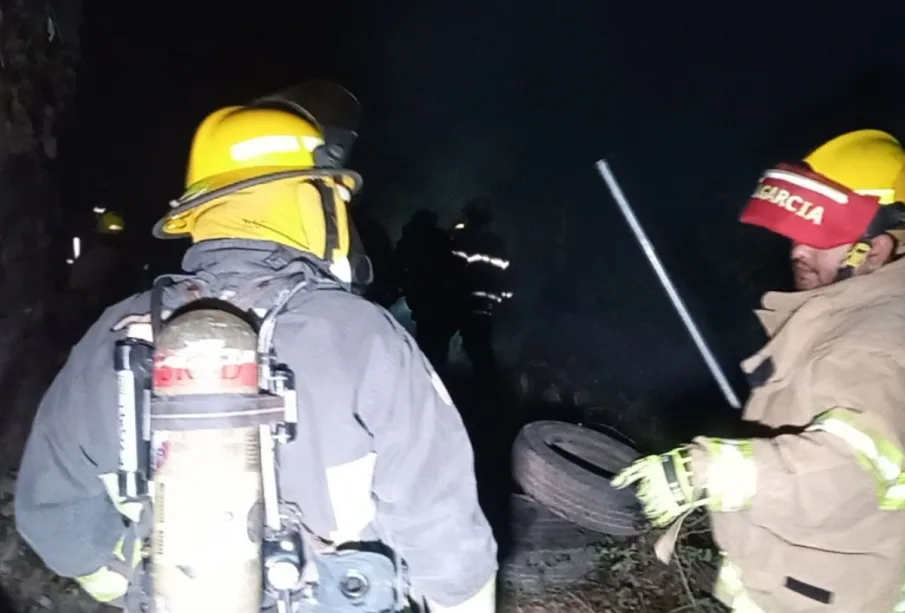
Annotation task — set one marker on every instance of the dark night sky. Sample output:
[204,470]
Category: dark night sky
[518,100]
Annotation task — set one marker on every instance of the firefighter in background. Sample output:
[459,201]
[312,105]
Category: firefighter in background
[265,205]
[99,274]
[813,518]
[380,264]
[483,283]
[428,271]
[93,270]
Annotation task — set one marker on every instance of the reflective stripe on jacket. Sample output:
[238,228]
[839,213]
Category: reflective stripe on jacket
[825,529]
[382,452]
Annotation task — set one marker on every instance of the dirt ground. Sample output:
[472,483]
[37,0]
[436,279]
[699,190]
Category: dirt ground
[630,579]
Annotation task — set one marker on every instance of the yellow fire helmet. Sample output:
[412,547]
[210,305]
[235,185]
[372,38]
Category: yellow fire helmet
[110,222]
[239,147]
[868,162]
[845,192]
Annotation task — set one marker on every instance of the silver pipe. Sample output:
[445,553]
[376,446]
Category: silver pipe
[604,169]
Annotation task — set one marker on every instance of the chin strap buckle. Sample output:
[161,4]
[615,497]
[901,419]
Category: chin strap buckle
[854,259]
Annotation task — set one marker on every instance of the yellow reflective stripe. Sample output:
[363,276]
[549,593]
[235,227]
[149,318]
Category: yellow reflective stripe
[136,552]
[731,478]
[107,584]
[897,491]
[729,580]
[887,467]
[730,589]
[104,585]
[874,453]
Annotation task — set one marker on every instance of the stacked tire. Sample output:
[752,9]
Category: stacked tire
[567,469]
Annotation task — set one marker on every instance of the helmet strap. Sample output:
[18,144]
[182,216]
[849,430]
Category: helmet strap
[889,217]
[854,259]
[331,221]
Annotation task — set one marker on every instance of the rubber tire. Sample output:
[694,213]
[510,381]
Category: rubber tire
[568,489]
[547,551]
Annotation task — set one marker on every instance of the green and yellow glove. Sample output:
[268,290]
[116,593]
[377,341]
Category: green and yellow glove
[719,473]
[109,583]
[664,485]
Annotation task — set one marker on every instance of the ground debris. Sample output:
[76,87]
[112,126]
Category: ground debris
[630,579]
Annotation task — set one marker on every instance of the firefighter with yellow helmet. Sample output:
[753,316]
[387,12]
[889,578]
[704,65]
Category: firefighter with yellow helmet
[812,518]
[99,272]
[383,457]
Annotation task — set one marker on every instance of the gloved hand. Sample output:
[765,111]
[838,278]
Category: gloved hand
[720,473]
[110,582]
[666,487]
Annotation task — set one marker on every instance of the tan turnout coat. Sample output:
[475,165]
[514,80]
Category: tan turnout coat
[815,538]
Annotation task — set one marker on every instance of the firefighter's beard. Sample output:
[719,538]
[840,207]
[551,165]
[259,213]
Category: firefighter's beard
[813,268]
[806,277]
[818,271]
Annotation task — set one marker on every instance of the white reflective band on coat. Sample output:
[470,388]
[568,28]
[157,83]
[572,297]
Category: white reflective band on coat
[731,478]
[350,486]
[482,602]
[730,590]
[472,258]
[342,268]
[875,454]
[130,510]
[498,298]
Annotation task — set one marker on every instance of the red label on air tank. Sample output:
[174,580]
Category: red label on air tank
[205,368]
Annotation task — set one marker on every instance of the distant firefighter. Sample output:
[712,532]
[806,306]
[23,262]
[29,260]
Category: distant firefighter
[100,271]
[428,280]
[484,282]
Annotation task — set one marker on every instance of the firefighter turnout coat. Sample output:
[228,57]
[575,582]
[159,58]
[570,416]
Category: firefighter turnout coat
[382,453]
[825,529]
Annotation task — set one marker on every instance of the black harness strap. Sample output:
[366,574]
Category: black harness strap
[331,221]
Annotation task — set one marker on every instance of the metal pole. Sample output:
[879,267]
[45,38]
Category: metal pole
[604,169]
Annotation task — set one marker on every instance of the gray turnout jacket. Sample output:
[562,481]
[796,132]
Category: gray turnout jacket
[382,453]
